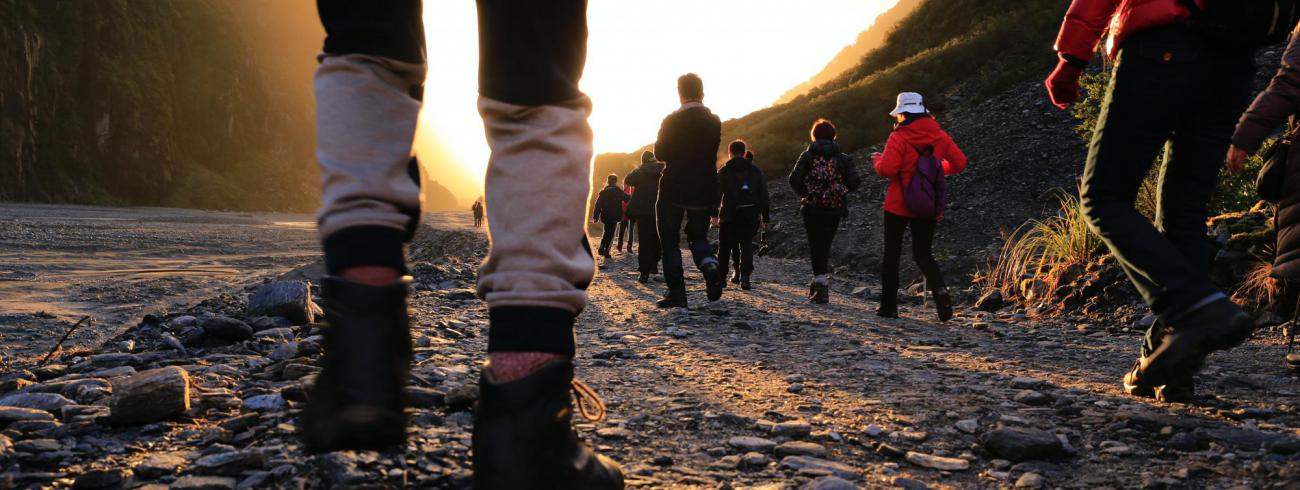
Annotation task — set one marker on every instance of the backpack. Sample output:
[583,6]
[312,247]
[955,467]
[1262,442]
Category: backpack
[825,183]
[1244,23]
[748,195]
[926,196]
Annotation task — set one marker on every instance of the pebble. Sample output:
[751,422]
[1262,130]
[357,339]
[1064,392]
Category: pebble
[226,328]
[793,428]
[100,478]
[614,433]
[1022,444]
[203,483]
[800,448]
[831,483]
[937,462]
[9,415]
[158,464]
[49,402]
[969,426]
[750,443]
[1030,480]
[799,463]
[755,460]
[270,402]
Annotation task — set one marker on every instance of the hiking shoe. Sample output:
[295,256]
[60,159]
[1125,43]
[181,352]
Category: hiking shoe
[674,299]
[357,400]
[1181,390]
[744,283]
[713,279]
[736,277]
[1217,326]
[1136,387]
[884,312]
[943,303]
[645,278]
[524,438]
[821,293]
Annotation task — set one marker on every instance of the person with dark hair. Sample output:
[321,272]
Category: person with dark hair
[477,209]
[609,212]
[688,191]
[916,135]
[822,177]
[735,249]
[645,179]
[1178,90]
[535,277]
[744,209]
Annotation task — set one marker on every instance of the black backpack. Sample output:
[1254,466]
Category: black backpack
[1245,23]
[748,188]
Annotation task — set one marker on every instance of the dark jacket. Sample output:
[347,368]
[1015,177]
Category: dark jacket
[646,181]
[609,204]
[1280,100]
[803,165]
[735,176]
[688,145]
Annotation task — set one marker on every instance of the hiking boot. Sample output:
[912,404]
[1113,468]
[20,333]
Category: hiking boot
[644,278]
[943,303]
[1181,390]
[1217,326]
[1135,386]
[357,400]
[713,279]
[887,312]
[820,291]
[674,299]
[524,437]
[744,282]
[736,277]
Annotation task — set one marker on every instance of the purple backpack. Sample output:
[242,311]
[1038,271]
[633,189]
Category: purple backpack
[926,196]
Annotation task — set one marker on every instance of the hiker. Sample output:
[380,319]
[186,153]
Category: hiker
[477,209]
[1174,89]
[645,179]
[609,211]
[917,156]
[744,209]
[735,247]
[822,177]
[535,275]
[1276,103]
[688,145]
[625,226]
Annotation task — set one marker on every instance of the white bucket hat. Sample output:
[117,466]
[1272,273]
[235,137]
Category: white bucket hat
[909,103]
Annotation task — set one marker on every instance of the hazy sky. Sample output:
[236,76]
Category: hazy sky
[749,52]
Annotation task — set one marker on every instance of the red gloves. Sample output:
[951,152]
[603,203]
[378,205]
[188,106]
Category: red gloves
[1063,84]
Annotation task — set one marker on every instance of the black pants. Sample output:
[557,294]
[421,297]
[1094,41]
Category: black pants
[607,237]
[821,232]
[669,219]
[625,231]
[738,234]
[531,54]
[649,253]
[922,252]
[1175,92]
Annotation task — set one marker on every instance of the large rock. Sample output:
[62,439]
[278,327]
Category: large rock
[150,396]
[49,402]
[9,415]
[937,462]
[160,464]
[796,463]
[1023,444]
[751,443]
[224,328]
[289,299]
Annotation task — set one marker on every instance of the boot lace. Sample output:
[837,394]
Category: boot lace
[589,404]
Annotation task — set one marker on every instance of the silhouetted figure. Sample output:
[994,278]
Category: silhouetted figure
[625,226]
[609,211]
[477,209]
[916,136]
[823,176]
[642,209]
[1178,91]
[745,208]
[535,276]
[688,145]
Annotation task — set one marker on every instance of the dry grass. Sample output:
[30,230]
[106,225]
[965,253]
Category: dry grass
[1035,257]
[1258,287]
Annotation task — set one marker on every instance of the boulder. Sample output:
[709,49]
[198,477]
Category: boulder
[49,402]
[228,329]
[150,396]
[288,299]
[1023,444]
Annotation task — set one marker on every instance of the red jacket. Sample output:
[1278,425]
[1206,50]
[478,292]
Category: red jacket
[1087,20]
[898,162]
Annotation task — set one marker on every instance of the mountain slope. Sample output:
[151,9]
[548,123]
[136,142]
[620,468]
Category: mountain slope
[849,57]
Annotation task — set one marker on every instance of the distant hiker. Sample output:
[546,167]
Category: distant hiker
[917,156]
[735,248]
[744,209]
[645,179]
[477,209]
[1276,103]
[625,226]
[539,263]
[688,145]
[609,211]
[823,176]
[1177,89]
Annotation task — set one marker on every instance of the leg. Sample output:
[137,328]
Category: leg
[365,123]
[670,240]
[539,265]
[727,239]
[923,253]
[648,254]
[607,237]
[697,237]
[894,226]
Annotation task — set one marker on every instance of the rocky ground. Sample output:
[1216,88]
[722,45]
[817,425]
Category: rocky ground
[759,390]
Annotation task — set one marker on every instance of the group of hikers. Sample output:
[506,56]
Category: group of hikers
[1176,88]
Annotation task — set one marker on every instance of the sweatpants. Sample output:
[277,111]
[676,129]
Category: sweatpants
[738,234]
[821,230]
[922,253]
[535,118]
[669,218]
[1176,93]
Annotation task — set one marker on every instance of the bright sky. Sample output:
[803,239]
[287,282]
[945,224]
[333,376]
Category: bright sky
[748,52]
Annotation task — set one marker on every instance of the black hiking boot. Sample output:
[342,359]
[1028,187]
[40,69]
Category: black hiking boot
[744,282]
[821,293]
[1181,390]
[674,299]
[524,437]
[713,279]
[943,304]
[357,400]
[887,311]
[1219,325]
[644,278]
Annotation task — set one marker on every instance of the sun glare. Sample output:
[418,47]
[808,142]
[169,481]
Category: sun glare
[749,52]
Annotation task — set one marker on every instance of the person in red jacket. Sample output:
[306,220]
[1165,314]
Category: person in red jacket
[915,130]
[1174,90]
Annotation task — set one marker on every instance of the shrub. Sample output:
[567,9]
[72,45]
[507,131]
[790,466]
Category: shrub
[1037,257]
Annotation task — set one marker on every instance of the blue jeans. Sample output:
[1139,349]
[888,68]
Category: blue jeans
[669,218]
